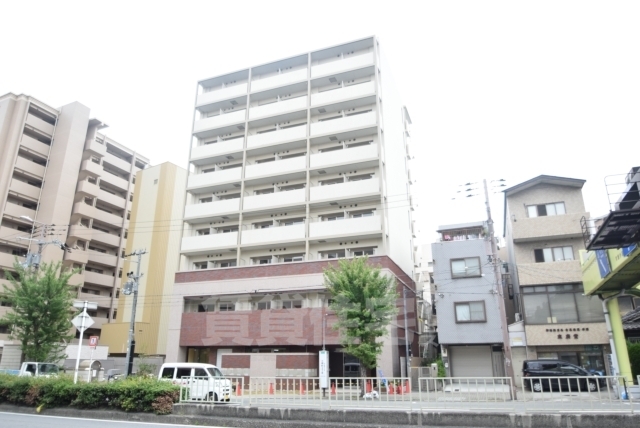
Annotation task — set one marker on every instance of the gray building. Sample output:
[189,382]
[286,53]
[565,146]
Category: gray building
[469,327]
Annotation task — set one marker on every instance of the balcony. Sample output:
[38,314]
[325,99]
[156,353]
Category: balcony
[364,156]
[219,121]
[80,208]
[92,167]
[39,124]
[35,146]
[221,94]
[344,124]
[76,280]
[211,209]
[112,199]
[364,227]
[17,211]
[7,260]
[9,234]
[25,190]
[114,180]
[207,151]
[102,301]
[208,181]
[204,243]
[274,200]
[281,107]
[353,190]
[343,94]
[76,256]
[549,273]
[272,235]
[102,258]
[95,148]
[83,233]
[277,137]
[334,67]
[120,164]
[548,227]
[276,168]
[29,167]
[98,279]
[104,238]
[278,80]
[88,189]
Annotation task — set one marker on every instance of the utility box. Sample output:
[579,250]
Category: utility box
[433,370]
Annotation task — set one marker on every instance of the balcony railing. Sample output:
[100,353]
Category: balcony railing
[344,124]
[104,238]
[277,137]
[200,181]
[219,121]
[102,258]
[278,80]
[349,190]
[17,211]
[117,162]
[211,209]
[344,157]
[39,124]
[278,167]
[96,148]
[217,149]
[86,210]
[98,279]
[348,227]
[87,188]
[35,146]
[114,180]
[78,231]
[77,256]
[24,189]
[7,260]
[222,94]
[29,167]
[204,243]
[92,167]
[343,94]
[351,63]
[111,199]
[556,226]
[274,235]
[274,200]
[281,107]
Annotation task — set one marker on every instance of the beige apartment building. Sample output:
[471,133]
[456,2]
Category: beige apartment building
[57,169]
[544,238]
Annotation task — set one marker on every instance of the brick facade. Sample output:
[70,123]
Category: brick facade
[241,361]
[303,361]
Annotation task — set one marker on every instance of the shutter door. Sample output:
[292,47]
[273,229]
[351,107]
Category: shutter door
[471,361]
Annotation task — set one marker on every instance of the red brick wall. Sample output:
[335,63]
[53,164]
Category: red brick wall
[303,361]
[236,361]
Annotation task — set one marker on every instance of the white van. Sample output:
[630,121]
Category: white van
[205,381]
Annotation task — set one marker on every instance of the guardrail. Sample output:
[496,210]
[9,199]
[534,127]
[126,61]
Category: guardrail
[205,389]
[477,393]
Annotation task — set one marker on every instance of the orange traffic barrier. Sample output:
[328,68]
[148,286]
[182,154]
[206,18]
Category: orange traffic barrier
[399,389]
[238,389]
[391,388]
[271,388]
[333,388]
[368,388]
[302,391]
[407,388]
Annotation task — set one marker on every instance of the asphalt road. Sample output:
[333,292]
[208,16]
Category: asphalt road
[17,420]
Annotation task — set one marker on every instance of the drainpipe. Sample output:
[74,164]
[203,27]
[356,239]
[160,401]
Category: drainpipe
[620,360]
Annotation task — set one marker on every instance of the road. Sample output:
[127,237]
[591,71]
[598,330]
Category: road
[18,420]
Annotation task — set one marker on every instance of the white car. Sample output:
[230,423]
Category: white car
[205,381]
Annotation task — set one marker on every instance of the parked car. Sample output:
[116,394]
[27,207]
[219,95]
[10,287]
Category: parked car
[114,375]
[563,376]
[39,369]
[205,381]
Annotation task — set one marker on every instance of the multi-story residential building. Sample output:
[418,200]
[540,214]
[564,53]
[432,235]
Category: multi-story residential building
[543,234]
[57,169]
[469,324]
[156,225]
[294,163]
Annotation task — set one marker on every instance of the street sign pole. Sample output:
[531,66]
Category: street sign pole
[84,322]
[84,312]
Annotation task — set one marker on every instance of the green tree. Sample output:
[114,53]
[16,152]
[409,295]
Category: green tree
[41,303]
[364,301]
[634,358]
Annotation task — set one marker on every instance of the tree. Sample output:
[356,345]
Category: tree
[41,303]
[364,301]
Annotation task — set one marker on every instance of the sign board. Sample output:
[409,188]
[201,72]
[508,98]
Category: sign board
[628,250]
[93,341]
[77,321]
[603,263]
[323,369]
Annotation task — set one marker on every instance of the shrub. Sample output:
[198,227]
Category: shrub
[634,358]
[131,395]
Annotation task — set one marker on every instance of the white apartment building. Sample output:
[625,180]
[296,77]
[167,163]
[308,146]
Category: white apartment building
[293,163]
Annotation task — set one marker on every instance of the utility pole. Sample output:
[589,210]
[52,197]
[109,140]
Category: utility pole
[508,360]
[131,286]
[35,259]
[407,361]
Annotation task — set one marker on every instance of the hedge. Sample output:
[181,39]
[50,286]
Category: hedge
[634,358]
[131,395]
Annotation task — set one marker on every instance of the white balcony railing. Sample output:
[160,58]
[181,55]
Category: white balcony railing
[219,121]
[343,94]
[277,167]
[273,235]
[214,178]
[273,200]
[222,94]
[29,167]
[39,124]
[194,244]
[24,189]
[278,80]
[277,137]
[333,67]
[217,149]
[350,189]
[281,107]
[35,145]
[210,209]
[346,227]
[344,157]
[344,124]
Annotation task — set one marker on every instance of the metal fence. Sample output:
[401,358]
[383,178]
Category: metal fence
[539,394]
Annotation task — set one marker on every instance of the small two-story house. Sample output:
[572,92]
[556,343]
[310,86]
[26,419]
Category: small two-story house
[469,325]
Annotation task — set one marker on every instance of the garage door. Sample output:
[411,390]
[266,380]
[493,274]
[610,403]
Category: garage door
[471,361]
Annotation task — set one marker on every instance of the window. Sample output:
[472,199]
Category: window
[263,225]
[333,217]
[293,155]
[208,170]
[560,304]
[227,306]
[228,229]
[262,261]
[331,181]
[362,214]
[202,232]
[155,181]
[292,304]
[330,149]
[266,191]
[200,265]
[264,305]
[362,252]
[554,254]
[206,200]
[292,221]
[229,263]
[465,268]
[470,312]
[361,177]
[182,372]
[292,187]
[334,254]
[293,258]
[265,160]
[363,143]
[546,209]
